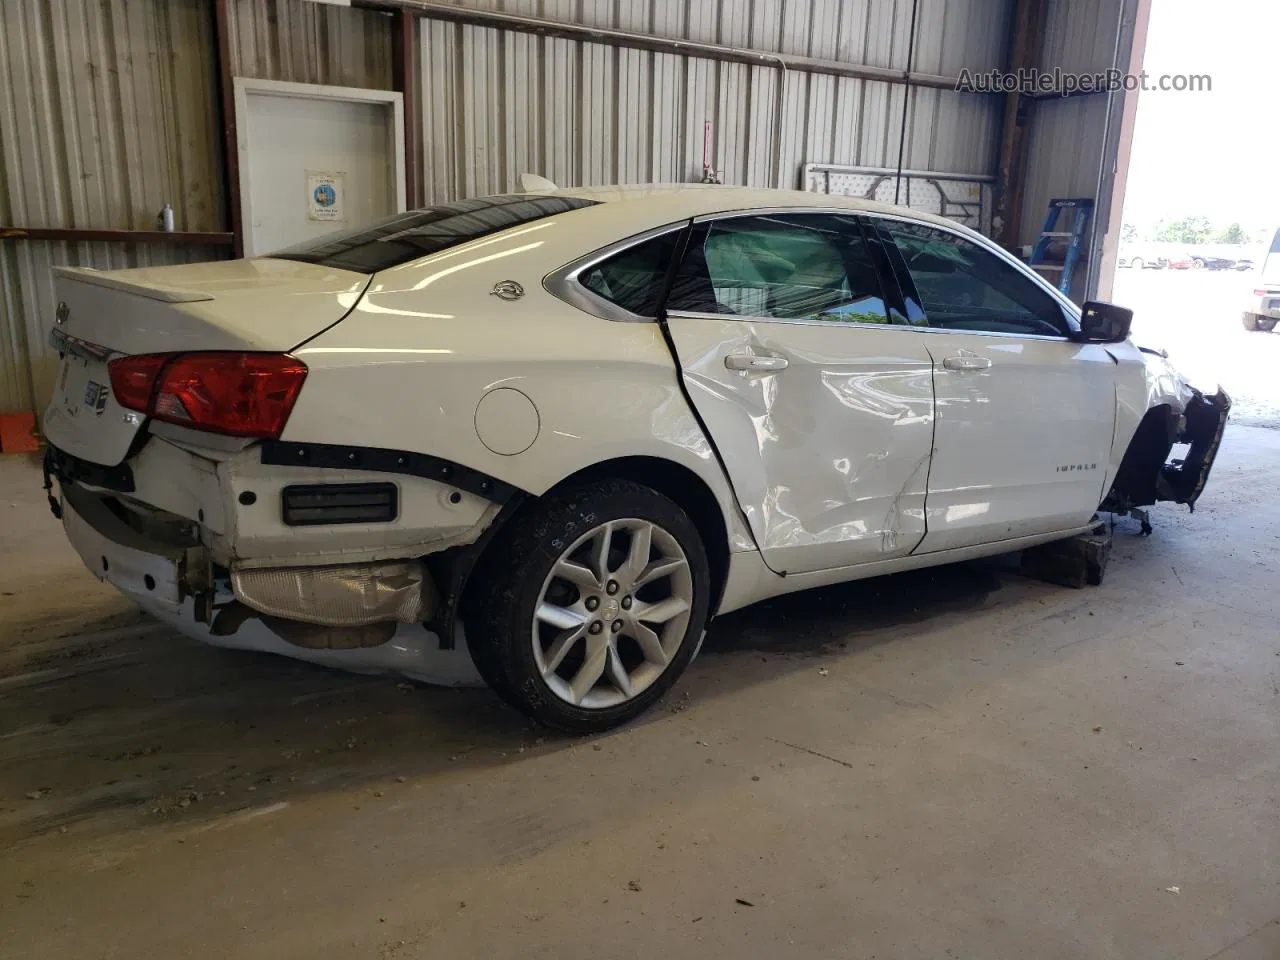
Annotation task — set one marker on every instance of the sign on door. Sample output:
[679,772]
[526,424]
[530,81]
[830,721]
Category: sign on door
[325,196]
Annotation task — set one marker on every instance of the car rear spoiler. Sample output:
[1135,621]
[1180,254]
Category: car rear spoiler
[152,291]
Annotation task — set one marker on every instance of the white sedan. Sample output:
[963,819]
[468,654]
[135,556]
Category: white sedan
[546,437]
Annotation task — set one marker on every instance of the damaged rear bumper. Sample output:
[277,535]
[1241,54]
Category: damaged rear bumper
[368,618]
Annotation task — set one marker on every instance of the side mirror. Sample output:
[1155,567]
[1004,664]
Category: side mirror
[1104,323]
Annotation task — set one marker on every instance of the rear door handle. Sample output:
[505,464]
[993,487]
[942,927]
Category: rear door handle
[967,363]
[746,361]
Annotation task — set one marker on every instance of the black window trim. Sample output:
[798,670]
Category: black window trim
[888,285]
[1070,313]
[564,283]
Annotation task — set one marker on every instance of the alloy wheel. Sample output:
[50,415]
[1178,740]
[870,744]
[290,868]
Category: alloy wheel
[612,613]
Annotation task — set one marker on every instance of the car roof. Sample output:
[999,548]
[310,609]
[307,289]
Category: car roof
[652,203]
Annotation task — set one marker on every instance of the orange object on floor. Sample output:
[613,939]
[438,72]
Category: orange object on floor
[18,433]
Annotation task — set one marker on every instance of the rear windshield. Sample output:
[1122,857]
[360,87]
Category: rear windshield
[407,236]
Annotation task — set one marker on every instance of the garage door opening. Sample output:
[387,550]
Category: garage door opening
[1202,206]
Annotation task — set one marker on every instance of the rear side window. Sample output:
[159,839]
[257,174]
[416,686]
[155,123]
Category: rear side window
[634,278]
[403,237]
[813,267]
[965,288]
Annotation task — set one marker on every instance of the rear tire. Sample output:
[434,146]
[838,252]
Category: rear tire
[592,604]
[1257,322]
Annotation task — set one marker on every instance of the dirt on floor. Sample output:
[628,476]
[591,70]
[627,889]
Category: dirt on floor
[949,763]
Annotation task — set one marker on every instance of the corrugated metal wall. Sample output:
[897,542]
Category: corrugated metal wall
[497,103]
[1065,145]
[105,114]
[108,109]
[310,43]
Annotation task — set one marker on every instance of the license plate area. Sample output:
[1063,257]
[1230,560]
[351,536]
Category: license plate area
[83,386]
[84,418]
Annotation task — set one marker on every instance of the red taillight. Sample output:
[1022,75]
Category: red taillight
[132,378]
[1259,293]
[239,394]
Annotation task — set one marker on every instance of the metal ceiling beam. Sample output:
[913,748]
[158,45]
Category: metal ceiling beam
[499,20]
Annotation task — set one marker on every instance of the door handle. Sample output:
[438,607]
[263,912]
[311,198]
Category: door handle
[746,361]
[967,363]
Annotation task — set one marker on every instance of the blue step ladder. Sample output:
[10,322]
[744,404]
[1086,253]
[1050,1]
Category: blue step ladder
[1082,211]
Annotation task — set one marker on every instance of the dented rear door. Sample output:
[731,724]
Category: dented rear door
[821,410]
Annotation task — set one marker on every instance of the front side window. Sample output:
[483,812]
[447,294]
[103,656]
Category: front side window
[813,267]
[968,289]
[403,237]
[633,278]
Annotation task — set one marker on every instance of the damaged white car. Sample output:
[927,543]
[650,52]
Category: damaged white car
[552,435]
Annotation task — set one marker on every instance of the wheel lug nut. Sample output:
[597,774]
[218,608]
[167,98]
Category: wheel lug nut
[596,626]
[611,587]
[626,603]
[617,626]
[593,602]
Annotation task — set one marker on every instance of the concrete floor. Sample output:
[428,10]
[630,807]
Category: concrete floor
[951,764]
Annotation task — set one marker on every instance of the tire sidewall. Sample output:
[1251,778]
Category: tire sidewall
[535,548]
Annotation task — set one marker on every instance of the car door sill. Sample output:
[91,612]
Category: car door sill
[750,581]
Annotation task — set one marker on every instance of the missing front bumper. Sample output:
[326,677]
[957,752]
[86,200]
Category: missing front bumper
[1182,481]
[1147,475]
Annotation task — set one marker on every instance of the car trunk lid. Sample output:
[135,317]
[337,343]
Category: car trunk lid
[260,305]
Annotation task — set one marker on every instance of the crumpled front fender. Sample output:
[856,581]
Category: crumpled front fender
[1153,415]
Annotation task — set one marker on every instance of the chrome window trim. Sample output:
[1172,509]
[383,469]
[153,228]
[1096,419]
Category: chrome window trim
[1071,311]
[903,327]
[769,211]
[565,285]
[63,342]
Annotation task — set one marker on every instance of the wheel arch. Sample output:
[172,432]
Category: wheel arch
[1139,471]
[678,483]
[682,486]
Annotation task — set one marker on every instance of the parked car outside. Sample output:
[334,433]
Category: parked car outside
[552,435]
[1140,258]
[1262,309]
[1207,262]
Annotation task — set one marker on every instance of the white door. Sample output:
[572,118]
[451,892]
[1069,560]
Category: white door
[1025,416]
[821,410]
[314,160]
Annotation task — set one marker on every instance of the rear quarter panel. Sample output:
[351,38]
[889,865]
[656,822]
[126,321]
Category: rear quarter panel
[407,369]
